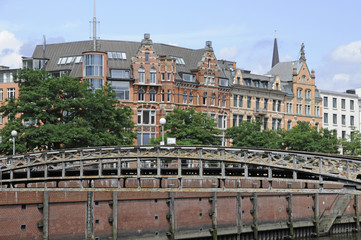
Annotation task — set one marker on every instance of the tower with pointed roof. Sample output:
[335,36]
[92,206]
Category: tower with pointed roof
[275,58]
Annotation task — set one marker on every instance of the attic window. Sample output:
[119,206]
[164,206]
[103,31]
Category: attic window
[178,60]
[189,77]
[69,60]
[117,55]
[223,82]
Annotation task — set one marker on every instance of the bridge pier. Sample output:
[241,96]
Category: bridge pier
[290,215]
[316,214]
[213,213]
[254,212]
[171,217]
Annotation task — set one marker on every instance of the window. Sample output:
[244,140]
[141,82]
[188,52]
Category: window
[317,111]
[343,103]
[121,89]
[265,101]
[153,74]
[95,83]
[117,55]
[279,106]
[152,95]
[222,121]
[189,77]
[248,82]
[289,124]
[147,56]
[223,82]
[240,101]
[141,75]
[343,134]
[169,76]
[1,95]
[343,119]
[184,97]
[235,100]
[223,101]
[299,109]
[299,93]
[303,78]
[146,117]
[265,84]
[351,104]
[204,98]
[238,80]
[308,94]
[162,95]
[237,120]
[334,118]
[248,102]
[178,60]
[117,73]
[213,99]
[256,83]
[144,138]
[249,118]
[162,76]
[257,104]
[325,118]
[352,120]
[265,123]
[274,105]
[307,110]
[325,101]
[289,107]
[276,124]
[190,98]
[168,95]
[93,66]
[334,102]
[141,95]
[68,60]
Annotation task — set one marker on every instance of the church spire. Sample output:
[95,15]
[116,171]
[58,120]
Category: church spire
[275,58]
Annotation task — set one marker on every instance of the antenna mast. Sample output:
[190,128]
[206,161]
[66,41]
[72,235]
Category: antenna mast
[94,30]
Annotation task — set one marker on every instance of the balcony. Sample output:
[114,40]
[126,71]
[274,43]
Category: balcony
[151,82]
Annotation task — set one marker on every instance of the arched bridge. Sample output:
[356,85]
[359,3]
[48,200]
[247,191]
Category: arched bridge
[158,168]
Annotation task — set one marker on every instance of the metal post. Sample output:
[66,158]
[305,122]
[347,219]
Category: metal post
[90,217]
[13,145]
[163,134]
[115,215]
[45,216]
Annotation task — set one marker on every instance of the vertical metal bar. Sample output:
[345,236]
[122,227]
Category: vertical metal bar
[294,167]
[269,165]
[348,169]
[201,161]
[357,212]
[290,215]
[214,216]
[320,169]
[316,213]
[246,164]
[158,163]
[100,168]
[115,215]
[254,212]
[138,163]
[45,215]
[171,217]
[90,216]
[239,215]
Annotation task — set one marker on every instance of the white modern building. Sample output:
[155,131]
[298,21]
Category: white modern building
[341,112]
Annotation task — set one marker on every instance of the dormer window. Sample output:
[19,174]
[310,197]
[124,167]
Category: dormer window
[248,82]
[256,83]
[93,65]
[189,77]
[223,82]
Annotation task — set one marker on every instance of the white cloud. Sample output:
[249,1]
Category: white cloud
[341,77]
[348,53]
[229,53]
[9,50]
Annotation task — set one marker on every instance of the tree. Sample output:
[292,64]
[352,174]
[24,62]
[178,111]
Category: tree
[353,145]
[249,134]
[190,127]
[63,112]
[304,137]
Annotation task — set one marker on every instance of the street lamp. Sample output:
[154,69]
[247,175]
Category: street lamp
[162,121]
[14,133]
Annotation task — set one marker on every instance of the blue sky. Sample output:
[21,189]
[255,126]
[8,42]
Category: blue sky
[241,31]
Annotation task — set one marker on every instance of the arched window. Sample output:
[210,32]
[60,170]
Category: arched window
[153,76]
[152,93]
[213,98]
[141,95]
[204,98]
[190,97]
[141,74]
[185,97]
[168,95]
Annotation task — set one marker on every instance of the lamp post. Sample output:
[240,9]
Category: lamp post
[14,133]
[162,121]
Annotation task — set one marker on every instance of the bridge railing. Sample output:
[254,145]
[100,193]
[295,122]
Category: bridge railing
[180,161]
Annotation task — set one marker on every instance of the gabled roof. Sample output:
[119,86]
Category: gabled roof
[285,70]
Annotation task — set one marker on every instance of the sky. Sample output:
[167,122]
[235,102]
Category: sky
[241,31]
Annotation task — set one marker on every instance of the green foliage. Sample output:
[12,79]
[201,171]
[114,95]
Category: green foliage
[67,112]
[249,134]
[353,145]
[190,128]
[302,137]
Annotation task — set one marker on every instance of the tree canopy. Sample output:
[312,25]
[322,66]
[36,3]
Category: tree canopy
[302,137]
[352,146]
[63,112]
[191,127]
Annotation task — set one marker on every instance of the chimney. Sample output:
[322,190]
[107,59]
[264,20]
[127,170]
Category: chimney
[146,36]
[294,72]
[209,44]
[313,74]
[234,64]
